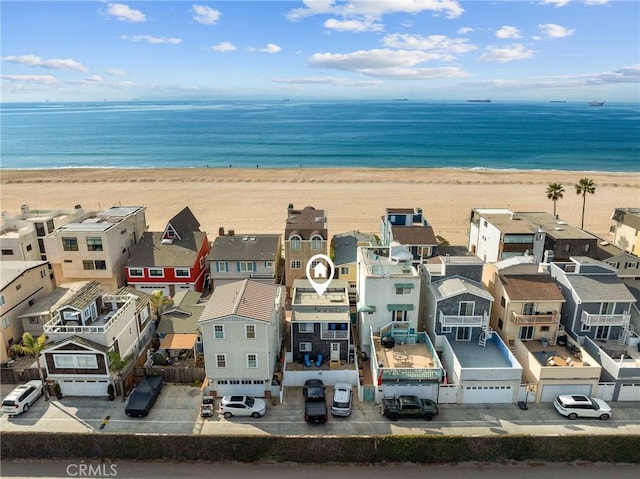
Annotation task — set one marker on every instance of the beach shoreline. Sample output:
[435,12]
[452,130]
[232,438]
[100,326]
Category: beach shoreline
[255,200]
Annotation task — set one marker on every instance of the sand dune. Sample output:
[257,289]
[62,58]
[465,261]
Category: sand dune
[255,201]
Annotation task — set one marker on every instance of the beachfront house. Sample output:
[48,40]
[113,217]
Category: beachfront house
[171,260]
[242,330]
[96,246]
[409,228]
[597,314]
[499,233]
[526,314]
[626,230]
[234,257]
[22,283]
[344,252]
[401,357]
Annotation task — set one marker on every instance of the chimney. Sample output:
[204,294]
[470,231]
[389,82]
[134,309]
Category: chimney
[77,207]
[290,208]
[24,209]
[231,232]
[221,231]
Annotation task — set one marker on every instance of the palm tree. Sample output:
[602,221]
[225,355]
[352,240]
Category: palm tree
[584,186]
[159,303]
[117,364]
[554,193]
[33,347]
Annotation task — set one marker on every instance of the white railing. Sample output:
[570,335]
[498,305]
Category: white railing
[589,319]
[334,334]
[453,321]
[535,319]
[56,324]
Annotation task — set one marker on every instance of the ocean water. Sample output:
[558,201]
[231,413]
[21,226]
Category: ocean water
[292,134]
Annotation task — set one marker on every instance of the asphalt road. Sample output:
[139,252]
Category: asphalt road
[177,412]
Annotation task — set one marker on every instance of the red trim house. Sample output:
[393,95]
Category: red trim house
[170,261]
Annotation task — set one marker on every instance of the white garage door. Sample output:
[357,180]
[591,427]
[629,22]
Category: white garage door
[79,387]
[549,393]
[487,394]
[424,390]
[629,392]
[247,387]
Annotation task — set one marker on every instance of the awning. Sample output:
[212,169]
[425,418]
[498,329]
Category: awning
[404,285]
[178,341]
[399,307]
[366,309]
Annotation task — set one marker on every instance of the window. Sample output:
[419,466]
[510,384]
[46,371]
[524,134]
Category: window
[632,265]
[2,299]
[446,329]
[43,274]
[466,308]
[250,331]
[403,290]
[70,244]
[268,264]
[94,244]
[607,308]
[87,362]
[7,252]
[503,302]
[529,309]
[40,229]
[156,272]
[316,242]
[295,242]
[18,287]
[567,247]
[296,264]
[463,334]
[399,316]
[305,328]
[245,266]
[252,360]
[136,272]
[526,333]
[344,270]
[221,266]
[29,248]
[182,272]
[586,248]
[100,264]
[6,322]
[63,361]
[218,331]
[500,324]
[221,360]
[87,264]
[305,347]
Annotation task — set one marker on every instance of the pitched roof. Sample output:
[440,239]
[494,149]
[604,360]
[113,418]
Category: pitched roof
[248,299]
[51,302]
[181,253]
[456,285]
[85,296]
[142,298]
[418,235]
[531,287]
[183,316]
[78,340]
[345,246]
[183,222]
[253,247]
[11,270]
[306,222]
[596,287]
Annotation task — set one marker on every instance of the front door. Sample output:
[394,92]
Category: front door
[526,332]
[335,351]
[602,332]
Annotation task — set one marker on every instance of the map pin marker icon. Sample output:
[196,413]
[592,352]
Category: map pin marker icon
[320,270]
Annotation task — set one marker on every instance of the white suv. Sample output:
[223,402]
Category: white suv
[21,398]
[242,406]
[342,397]
[578,405]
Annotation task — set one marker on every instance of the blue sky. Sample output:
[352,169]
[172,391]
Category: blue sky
[574,50]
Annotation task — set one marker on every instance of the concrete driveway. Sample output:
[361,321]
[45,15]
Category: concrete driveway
[177,412]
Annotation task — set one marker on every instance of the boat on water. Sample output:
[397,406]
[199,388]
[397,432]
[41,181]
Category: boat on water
[595,103]
[558,101]
[479,101]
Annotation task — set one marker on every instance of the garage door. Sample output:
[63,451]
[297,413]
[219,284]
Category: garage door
[549,392]
[79,387]
[247,387]
[487,394]
[422,390]
[629,392]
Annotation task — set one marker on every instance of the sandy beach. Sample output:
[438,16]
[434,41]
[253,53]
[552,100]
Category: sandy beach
[255,200]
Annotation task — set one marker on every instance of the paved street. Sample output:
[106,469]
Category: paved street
[177,412]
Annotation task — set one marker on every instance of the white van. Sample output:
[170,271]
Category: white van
[21,398]
[342,398]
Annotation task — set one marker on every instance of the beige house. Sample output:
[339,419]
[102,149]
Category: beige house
[626,231]
[22,283]
[305,235]
[96,246]
[22,236]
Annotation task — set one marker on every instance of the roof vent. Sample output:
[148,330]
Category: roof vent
[167,241]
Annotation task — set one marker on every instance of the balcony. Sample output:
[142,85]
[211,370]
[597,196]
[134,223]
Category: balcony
[456,321]
[547,319]
[98,325]
[589,319]
[330,334]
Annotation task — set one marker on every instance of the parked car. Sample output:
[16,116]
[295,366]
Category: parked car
[342,397]
[579,405]
[22,398]
[207,406]
[242,406]
[315,403]
[144,396]
[409,406]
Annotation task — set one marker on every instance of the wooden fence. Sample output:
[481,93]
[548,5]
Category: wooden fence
[172,374]
[19,376]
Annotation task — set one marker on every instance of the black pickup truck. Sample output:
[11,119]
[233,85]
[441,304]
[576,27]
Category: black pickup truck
[315,403]
[409,406]
[144,396]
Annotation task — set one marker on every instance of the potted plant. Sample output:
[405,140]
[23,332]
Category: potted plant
[111,392]
[57,390]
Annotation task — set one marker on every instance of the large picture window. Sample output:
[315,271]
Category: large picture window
[70,244]
[94,244]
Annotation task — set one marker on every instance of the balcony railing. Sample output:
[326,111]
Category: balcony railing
[456,321]
[535,319]
[328,334]
[589,319]
[99,325]
[411,374]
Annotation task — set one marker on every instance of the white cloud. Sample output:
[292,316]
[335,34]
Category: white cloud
[91,80]
[465,30]
[386,63]
[551,30]
[115,72]
[223,47]
[367,25]
[54,63]
[151,39]
[438,43]
[337,81]
[596,2]
[377,8]
[507,54]
[124,13]
[206,15]
[556,3]
[508,32]
[270,48]
[39,79]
